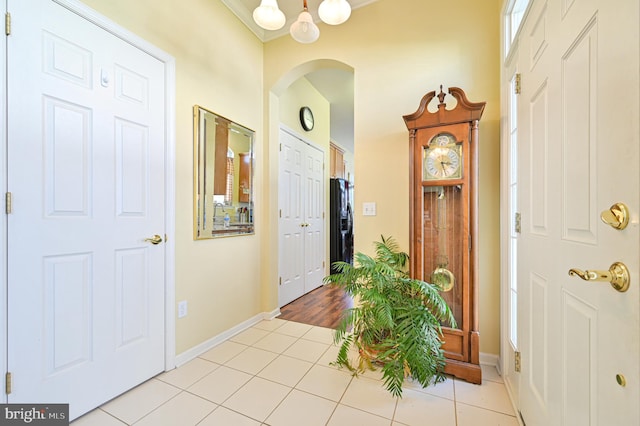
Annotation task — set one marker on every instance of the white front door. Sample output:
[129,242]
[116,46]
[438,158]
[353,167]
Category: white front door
[301,204]
[86,171]
[578,141]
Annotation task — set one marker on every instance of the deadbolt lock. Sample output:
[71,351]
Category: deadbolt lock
[617,216]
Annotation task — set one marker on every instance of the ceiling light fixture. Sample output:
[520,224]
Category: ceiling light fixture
[334,12]
[268,16]
[303,30]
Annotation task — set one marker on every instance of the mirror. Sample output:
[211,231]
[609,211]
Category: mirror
[223,172]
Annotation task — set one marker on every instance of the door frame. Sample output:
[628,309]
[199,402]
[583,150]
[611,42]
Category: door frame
[508,68]
[169,184]
[3,220]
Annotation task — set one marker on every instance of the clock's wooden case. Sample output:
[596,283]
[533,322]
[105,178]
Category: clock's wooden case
[456,219]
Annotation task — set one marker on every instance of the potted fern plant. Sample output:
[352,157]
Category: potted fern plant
[395,323]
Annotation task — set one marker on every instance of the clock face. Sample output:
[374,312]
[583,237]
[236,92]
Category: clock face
[306,118]
[442,159]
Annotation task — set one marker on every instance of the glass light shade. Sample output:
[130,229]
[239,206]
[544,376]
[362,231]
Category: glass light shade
[334,12]
[304,30]
[268,15]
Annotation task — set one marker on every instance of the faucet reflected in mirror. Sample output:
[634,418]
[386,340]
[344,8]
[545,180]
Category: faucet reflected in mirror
[217,220]
[223,171]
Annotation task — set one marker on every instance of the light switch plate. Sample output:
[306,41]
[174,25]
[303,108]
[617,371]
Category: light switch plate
[368,209]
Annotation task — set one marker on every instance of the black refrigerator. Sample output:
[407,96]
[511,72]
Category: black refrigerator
[340,222]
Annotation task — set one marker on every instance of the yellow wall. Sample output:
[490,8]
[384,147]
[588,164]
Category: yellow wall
[301,93]
[400,50]
[218,66]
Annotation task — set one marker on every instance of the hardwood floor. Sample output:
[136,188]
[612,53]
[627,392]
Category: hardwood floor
[322,307]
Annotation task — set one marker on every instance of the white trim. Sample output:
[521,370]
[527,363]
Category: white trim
[514,405]
[301,137]
[207,345]
[108,25]
[3,221]
[492,360]
[170,214]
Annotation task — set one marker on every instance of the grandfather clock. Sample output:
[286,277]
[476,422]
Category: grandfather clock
[444,218]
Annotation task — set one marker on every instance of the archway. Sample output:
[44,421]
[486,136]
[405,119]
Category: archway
[270,174]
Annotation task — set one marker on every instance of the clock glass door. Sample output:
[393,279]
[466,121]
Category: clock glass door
[443,257]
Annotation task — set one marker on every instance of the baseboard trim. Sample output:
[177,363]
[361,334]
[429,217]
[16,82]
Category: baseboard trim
[203,347]
[489,359]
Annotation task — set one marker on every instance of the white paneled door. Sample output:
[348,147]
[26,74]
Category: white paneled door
[301,204]
[86,172]
[578,141]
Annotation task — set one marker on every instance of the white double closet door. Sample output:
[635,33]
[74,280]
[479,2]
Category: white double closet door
[86,168]
[302,224]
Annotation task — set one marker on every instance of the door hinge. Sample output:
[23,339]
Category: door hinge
[7,383]
[280,147]
[280,213]
[8,203]
[517,87]
[280,280]
[323,263]
[518,223]
[7,23]
[518,364]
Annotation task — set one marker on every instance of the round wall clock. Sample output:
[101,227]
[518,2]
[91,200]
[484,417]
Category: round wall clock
[306,118]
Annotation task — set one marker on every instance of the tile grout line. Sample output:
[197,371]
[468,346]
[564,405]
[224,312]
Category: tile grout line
[263,422]
[111,415]
[297,338]
[340,399]
[488,409]
[455,402]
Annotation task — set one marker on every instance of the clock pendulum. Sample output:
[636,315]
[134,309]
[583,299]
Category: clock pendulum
[441,276]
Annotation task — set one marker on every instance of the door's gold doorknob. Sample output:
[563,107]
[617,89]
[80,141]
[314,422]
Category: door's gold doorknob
[617,275]
[156,239]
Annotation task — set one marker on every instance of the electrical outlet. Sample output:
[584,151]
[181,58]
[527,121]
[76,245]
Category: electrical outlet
[182,309]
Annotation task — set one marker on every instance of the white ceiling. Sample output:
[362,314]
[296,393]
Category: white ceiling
[335,85]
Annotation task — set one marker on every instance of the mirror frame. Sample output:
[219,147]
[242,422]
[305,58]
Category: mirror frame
[235,226]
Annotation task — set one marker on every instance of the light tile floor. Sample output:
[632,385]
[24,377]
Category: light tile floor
[277,373]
